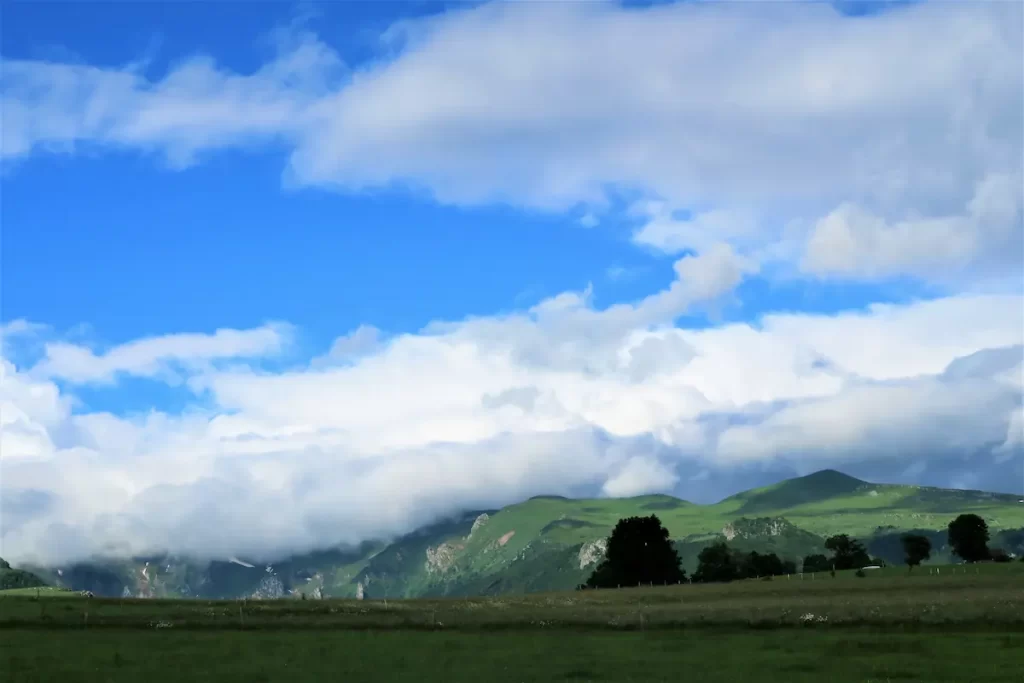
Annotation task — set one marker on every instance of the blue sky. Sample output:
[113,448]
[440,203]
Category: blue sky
[223,244]
[490,241]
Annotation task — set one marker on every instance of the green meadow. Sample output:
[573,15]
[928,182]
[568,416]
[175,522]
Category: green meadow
[949,623]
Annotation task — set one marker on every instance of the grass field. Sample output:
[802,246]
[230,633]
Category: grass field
[960,624]
[514,657]
[41,592]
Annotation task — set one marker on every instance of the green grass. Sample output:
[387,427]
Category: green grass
[985,595]
[960,624]
[839,656]
[41,591]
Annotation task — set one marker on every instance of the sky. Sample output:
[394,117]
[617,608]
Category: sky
[275,277]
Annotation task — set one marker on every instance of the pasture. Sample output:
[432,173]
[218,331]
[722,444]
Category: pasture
[960,624]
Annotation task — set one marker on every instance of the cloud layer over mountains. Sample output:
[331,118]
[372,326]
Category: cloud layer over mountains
[782,140]
[489,411]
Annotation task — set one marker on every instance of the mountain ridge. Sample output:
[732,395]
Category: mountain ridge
[552,542]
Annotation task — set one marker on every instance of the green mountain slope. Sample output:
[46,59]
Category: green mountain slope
[553,543]
[11,578]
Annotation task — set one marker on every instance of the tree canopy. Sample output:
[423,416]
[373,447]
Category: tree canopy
[639,552]
[916,549]
[968,537]
[716,563]
[816,563]
[754,565]
[847,553]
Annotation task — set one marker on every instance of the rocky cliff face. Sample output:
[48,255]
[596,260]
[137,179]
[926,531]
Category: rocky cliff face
[442,558]
[592,553]
[750,528]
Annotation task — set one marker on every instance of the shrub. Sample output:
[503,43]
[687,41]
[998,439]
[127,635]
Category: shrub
[999,555]
[859,574]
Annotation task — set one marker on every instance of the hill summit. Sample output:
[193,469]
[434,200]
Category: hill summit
[818,486]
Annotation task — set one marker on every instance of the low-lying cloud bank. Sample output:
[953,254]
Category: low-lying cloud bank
[560,399]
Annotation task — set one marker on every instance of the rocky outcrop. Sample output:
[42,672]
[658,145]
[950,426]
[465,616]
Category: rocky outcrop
[750,528]
[441,558]
[593,552]
[270,587]
[479,522]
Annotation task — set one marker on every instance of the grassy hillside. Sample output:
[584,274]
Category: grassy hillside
[553,543]
[15,579]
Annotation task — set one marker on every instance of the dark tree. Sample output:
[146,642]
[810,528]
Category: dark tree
[4,564]
[968,536]
[716,563]
[754,565]
[639,552]
[916,549]
[816,563]
[847,553]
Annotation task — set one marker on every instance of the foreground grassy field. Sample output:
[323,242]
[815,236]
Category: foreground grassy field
[960,624]
[40,592]
[519,656]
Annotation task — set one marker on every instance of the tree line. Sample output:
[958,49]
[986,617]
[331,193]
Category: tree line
[639,552]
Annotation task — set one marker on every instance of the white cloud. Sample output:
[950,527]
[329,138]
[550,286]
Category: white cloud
[196,107]
[640,475]
[672,235]
[157,355]
[780,111]
[469,415]
[854,241]
[360,341]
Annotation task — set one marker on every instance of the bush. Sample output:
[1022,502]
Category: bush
[816,563]
[859,574]
[999,555]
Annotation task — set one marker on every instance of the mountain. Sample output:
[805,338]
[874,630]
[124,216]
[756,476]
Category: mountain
[17,578]
[553,543]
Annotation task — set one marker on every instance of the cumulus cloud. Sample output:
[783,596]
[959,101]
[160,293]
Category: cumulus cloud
[784,111]
[156,355]
[196,107]
[346,348]
[852,241]
[448,419]
[640,475]
[667,233]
